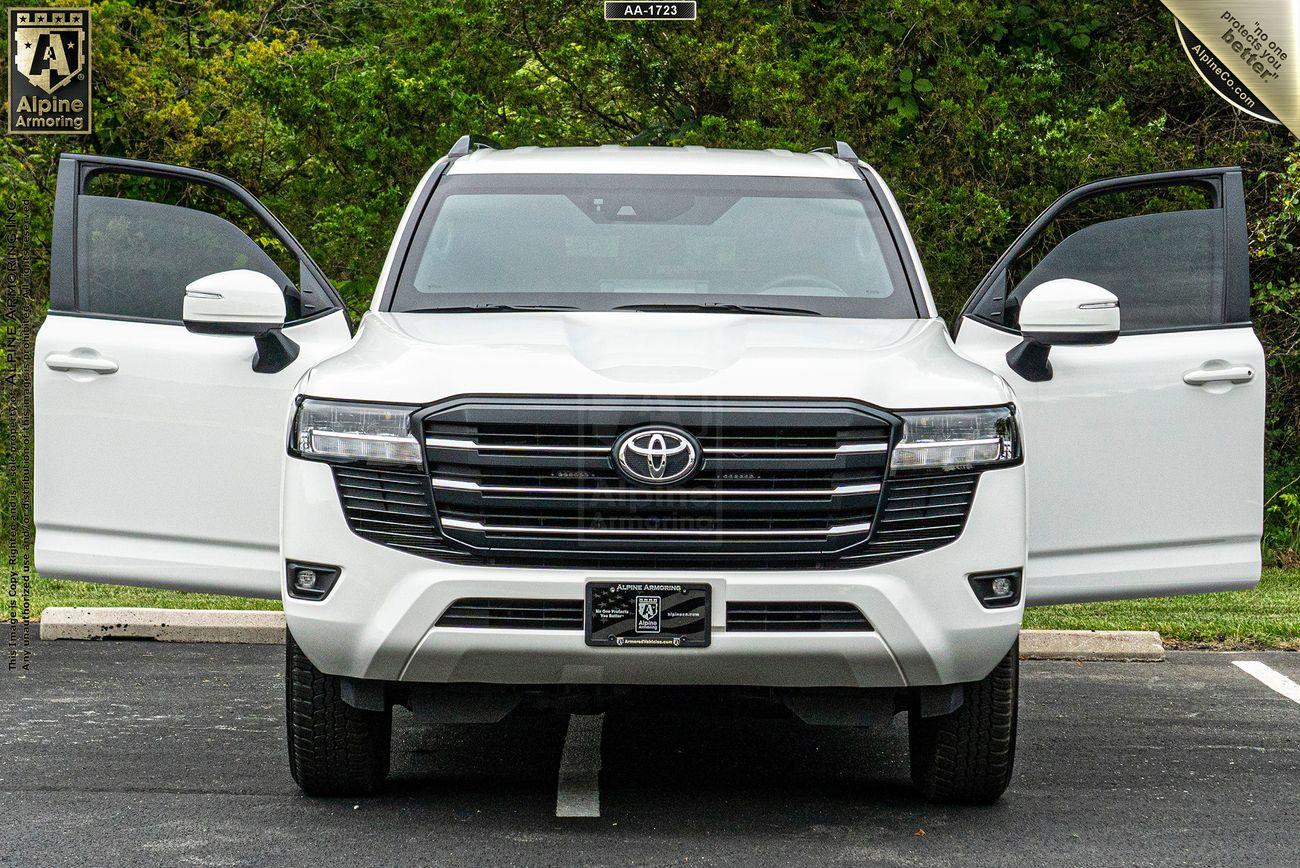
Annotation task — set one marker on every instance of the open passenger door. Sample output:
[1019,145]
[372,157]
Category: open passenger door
[159,450]
[1144,456]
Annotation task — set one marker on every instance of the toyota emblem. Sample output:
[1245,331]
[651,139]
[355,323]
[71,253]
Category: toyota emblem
[656,455]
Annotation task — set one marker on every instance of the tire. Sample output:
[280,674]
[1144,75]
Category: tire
[965,757]
[334,749]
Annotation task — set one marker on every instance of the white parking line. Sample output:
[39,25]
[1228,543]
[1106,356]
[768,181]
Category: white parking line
[1271,677]
[577,794]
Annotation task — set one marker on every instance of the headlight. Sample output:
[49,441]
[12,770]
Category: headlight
[950,439]
[342,431]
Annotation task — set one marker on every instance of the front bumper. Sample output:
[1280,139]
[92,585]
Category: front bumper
[377,622]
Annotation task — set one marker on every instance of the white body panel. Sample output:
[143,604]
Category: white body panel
[420,357]
[166,472]
[1139,483]
[377,622]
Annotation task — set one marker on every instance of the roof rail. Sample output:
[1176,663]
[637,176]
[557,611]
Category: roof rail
[841,151]
[468,143]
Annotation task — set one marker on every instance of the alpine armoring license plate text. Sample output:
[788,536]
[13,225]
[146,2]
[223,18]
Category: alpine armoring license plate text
[647,614]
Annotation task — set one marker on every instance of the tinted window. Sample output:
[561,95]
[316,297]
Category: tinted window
[1166,269]
[1161,250]
[596,242]
[135,258]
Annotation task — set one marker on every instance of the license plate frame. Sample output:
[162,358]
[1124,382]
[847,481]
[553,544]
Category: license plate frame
[614,615]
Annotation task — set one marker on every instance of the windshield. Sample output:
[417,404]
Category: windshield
[667,242]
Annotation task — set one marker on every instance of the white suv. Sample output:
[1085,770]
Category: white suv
[632,423]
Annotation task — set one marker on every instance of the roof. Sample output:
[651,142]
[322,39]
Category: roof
[622,159]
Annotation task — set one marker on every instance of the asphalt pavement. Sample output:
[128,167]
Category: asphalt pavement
[168,754]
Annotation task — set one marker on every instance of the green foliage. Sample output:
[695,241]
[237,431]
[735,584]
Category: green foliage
[1266,617]
[978,114]
[904,103]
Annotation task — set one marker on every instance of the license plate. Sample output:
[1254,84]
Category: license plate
[640,614]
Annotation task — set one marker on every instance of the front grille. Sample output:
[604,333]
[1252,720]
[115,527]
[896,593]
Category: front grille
[532,482]
[488,612]
[920,512]
[522,481]
[782,617]
[391,507]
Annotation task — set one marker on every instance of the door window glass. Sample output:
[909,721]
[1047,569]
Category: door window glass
[1160,250]
[142,239]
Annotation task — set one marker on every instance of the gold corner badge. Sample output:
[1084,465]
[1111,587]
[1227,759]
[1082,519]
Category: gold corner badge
[1247,51]
[49,71]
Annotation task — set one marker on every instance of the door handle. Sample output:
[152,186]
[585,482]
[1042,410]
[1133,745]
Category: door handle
[1233,374]
[70,362]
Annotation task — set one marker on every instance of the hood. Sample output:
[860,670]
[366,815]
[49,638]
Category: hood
[419,358]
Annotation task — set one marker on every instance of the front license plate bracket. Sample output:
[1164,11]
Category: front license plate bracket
[647,614]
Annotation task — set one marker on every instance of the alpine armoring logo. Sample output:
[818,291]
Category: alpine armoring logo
[49,71]
[656,455]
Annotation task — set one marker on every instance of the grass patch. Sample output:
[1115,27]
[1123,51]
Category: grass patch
[1266,617]
[56,592]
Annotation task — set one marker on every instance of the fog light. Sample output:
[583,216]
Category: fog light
[1001,586]
[310,581]
[998,589]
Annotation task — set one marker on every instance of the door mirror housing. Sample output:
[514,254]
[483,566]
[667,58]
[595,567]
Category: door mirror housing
[239,302]
[1062,311]
[242,302]
[1067,311]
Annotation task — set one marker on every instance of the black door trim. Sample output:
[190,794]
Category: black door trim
[75,172]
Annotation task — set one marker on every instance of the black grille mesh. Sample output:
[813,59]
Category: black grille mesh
[920,513]
[505,613]
[391,507]
[784,617]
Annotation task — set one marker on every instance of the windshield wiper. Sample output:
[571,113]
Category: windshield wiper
[720,307]
[489,308]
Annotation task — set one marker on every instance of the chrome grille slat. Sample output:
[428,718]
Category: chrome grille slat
[543,530]
[470,445]
[837,491]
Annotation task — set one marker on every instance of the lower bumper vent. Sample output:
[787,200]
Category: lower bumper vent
[790,617]
[514,614]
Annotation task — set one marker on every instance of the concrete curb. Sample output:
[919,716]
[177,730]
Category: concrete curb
[1130,646]
[165,625]
[267,628]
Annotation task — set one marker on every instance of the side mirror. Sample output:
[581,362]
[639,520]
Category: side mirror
[1063,311]
[242,302]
